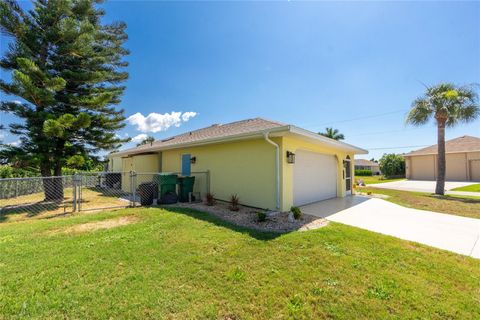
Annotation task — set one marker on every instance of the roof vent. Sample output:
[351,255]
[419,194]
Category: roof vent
[168,139]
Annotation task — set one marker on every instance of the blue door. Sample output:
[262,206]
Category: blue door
[186,165]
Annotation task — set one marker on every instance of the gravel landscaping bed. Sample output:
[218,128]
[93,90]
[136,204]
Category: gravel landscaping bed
[248,217]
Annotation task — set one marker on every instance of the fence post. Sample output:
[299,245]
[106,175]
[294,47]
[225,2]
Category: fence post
[76,192]
[133,176]
[80,196]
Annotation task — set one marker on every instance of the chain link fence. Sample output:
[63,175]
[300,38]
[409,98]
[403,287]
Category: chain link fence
[36,195]
[84,191]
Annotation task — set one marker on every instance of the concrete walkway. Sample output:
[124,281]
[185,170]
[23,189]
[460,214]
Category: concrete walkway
[444,231]
[426,186]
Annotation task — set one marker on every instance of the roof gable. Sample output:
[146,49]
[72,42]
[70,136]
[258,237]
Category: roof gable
[460,144]
[365,162]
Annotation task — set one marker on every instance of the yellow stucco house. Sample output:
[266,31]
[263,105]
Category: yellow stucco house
[268,164]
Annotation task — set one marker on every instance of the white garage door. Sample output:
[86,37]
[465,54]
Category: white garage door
[314,177]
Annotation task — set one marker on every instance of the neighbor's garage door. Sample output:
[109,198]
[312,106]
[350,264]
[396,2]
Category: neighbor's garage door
[422,168]
[314,177]
[475,170]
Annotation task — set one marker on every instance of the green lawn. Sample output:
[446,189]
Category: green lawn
[181,264]
[467,206]
[376,179]
[471,188]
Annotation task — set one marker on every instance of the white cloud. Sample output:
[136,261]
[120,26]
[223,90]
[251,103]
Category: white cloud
[155,122]
[14,143]
[121,136]
[139,138]
[17,101]
[187,115]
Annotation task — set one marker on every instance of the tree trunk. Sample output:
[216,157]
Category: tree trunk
[441,163]
[52,185]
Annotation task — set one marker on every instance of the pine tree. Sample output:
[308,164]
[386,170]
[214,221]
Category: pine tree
[68,67]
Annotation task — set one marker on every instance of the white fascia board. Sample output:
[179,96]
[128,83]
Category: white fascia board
[330,142]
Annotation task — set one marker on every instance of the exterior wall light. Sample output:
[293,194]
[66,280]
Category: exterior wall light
[290,157]
[193,160]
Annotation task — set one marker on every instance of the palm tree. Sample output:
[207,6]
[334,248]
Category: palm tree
[332,134]
[448,105]
[147,140]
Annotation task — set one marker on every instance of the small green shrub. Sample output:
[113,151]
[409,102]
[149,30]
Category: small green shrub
[261,216]
[297,213]
[234,202]
[363,173]
[210,199]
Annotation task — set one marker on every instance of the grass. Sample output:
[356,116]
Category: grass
[376,179]
[182,264]
[470,188]
[466,206]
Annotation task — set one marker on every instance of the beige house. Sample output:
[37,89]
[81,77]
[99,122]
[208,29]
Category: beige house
[363,164]
[462,157]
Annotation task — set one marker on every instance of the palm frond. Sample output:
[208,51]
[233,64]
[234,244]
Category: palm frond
[420,112]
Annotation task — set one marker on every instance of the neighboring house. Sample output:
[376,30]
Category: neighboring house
[462,161]
[363,164]
[252,158]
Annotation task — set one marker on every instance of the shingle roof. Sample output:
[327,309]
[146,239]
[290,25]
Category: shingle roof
[460,144]
[212,132]
[238,130]
[365,162]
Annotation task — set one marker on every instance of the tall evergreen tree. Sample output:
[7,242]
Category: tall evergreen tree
[68,67]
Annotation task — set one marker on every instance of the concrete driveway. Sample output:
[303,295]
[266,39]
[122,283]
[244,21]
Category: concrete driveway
[421,186]
[444,231]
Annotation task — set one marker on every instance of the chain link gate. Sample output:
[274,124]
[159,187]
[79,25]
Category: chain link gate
[105,190]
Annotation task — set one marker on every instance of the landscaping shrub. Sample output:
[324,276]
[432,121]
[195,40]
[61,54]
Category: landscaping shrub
[297,213]
[262,216]
[210,199]
[234,201]
[392,165]
[363,172]
[7,171]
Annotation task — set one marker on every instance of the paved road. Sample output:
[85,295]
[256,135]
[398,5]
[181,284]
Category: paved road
[444,231]
[426,186]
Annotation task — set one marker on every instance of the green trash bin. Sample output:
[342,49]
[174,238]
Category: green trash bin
[167,183]
[185,185]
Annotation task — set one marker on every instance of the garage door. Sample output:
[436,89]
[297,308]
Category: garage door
[422,168]
[475,170]
[314,177]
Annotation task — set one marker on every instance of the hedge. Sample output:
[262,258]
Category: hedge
[363,173]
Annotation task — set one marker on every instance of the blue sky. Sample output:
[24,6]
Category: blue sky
[353,66]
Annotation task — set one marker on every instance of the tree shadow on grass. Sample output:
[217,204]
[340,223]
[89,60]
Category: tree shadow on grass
[455,199]
[208,217]
[33,209]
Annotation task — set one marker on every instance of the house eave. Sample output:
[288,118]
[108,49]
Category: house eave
[274,132]
[435,153]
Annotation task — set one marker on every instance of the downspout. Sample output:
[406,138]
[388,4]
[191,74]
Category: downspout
[277,168]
